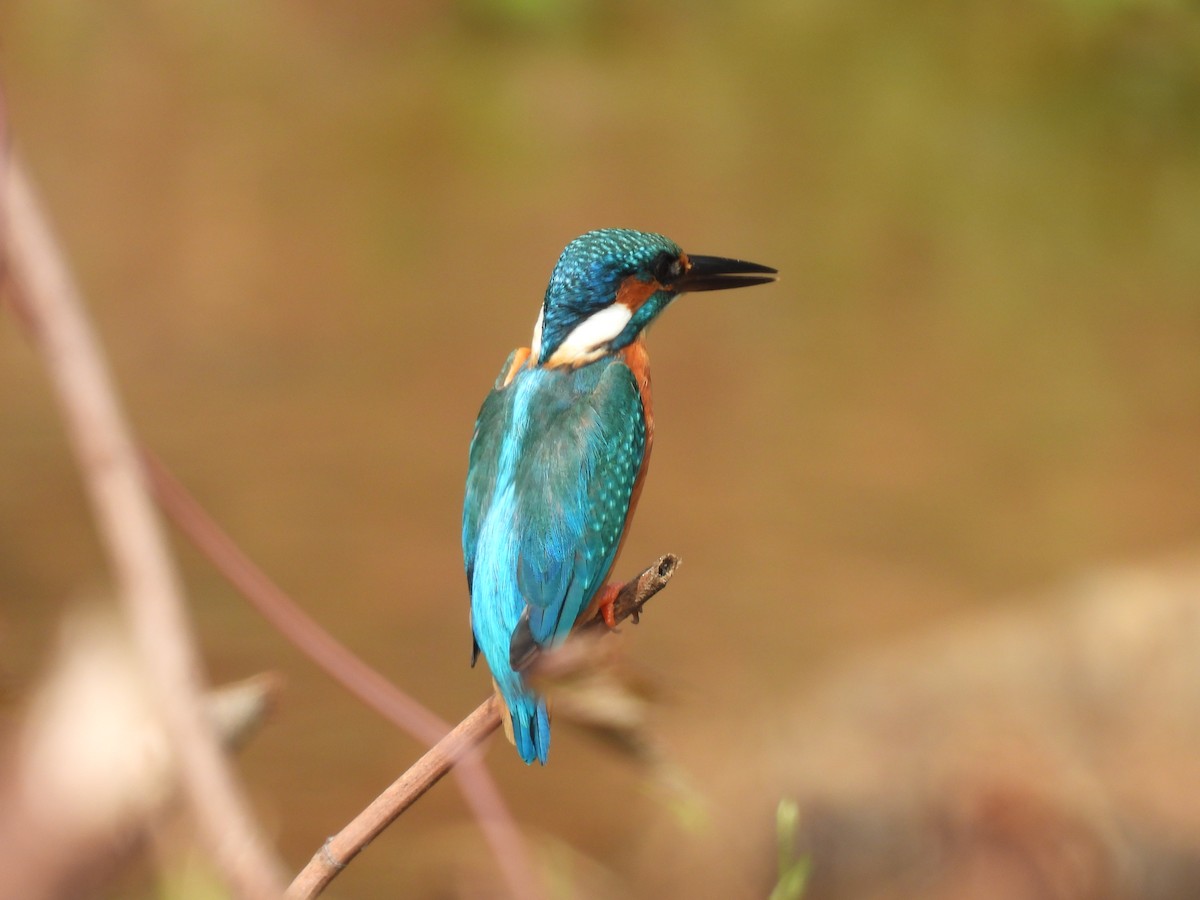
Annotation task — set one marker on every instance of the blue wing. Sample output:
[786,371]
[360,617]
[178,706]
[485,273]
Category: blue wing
[553,463]
[574,483]
[569,443]
[484,459]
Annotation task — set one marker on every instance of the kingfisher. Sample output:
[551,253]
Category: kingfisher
[560,451]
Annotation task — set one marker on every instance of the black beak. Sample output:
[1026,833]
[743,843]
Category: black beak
[715,273]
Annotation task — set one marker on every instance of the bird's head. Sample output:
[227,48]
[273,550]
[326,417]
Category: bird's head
[609,285]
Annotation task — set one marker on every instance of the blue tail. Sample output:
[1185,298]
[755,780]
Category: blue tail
[497,607]
[530,725]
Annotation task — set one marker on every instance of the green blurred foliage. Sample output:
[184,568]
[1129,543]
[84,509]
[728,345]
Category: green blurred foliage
[793,871]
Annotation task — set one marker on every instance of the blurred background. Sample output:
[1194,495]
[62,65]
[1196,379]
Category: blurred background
[901,481]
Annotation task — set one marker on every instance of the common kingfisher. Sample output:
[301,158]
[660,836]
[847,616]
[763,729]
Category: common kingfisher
[560,450]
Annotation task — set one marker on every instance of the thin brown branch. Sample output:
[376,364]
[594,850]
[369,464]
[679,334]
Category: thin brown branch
[635,594]
[339,850]
[146,580]
[273,603]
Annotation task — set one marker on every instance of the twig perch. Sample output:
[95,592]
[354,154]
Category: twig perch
[146,580]
[306,634]
[339,850]
[635,594]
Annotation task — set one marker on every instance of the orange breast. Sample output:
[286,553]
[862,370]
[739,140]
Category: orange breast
[638,360]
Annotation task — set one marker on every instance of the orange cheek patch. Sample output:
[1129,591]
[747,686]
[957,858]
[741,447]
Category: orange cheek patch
[634,292]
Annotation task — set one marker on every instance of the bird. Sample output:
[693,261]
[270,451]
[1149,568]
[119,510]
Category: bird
[559,453]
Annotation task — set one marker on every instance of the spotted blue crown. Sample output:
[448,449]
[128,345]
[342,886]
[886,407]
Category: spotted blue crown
[590,272]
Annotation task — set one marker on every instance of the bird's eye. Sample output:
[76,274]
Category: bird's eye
[667,269]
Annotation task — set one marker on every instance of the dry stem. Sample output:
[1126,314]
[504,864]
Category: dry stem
[289,619]
[147,582]
[339,850]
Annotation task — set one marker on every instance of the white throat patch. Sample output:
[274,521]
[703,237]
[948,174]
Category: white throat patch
[535,346]
[587,340]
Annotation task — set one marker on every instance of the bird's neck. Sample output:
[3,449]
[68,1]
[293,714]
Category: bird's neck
[634,355]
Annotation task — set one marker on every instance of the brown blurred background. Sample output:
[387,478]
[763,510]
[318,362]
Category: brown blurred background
[310,233]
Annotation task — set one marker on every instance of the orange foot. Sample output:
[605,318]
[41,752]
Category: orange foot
[608,597]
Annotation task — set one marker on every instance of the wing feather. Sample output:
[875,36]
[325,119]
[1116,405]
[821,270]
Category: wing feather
[574,484]
[564,446]
[483,464]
